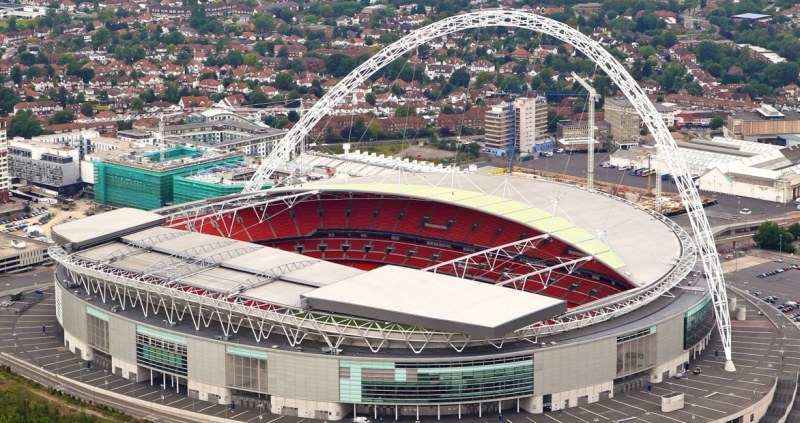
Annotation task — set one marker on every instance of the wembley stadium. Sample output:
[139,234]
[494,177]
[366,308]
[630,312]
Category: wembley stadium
[427,295]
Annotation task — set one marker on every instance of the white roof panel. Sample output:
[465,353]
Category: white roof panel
[434,301]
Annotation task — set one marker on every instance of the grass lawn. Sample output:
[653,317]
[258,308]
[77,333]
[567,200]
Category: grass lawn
[22,400]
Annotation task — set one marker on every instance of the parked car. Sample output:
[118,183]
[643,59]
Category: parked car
[697,370]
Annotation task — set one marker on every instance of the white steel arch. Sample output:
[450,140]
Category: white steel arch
[294,139]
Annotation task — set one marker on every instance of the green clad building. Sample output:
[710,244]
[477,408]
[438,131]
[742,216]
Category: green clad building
[145,180]
[213,182]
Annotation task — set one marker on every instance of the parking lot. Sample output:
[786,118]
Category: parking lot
[782,285]
[36,216]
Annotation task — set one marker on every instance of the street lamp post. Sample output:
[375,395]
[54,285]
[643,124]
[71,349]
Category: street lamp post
[780,244]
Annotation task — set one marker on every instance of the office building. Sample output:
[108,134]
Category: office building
[624,120]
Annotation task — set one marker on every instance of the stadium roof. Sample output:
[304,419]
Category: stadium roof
[270,275]
[432,300]
[620,236]
[103,227]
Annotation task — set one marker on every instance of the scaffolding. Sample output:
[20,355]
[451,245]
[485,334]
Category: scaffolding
[188,189]
[119,183]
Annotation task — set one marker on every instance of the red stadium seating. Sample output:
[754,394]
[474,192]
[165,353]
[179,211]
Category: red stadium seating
[400,231]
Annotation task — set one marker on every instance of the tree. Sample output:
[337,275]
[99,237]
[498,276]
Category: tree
[284,81]
[136,104]
[340,64]
[780,74]
[374,130]
[358,128]
[649,21]
[770,236]
[794,230]
[258,98]
[101,37]
[124,125]
[171,93]
[87,109]
[460,78]
[85,74]
[263,23]
[8,98]
[16,74]
[370,98]
[198,17]
[405,110]
[63,116]
[716,122]
[235,58]
[24,124]
[283,52]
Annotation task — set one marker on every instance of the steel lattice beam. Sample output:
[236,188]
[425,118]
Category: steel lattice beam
[569,264]
[269,275]
[489,255]
[690,198]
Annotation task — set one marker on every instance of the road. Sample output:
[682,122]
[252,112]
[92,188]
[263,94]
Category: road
[39,278]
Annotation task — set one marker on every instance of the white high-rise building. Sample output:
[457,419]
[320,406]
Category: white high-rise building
[496,127]
[5,181]
[530,120]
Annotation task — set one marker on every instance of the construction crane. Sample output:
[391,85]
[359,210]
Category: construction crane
[593,97]
[512,137]
[160,136]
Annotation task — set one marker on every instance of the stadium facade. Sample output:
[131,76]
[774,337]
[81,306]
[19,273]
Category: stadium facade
[403,299]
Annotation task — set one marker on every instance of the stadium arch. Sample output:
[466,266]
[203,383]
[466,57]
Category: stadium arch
[690,198]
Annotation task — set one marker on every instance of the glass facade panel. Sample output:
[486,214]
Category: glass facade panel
[636,354]
[97,332]
[447,382]
[162,355]
[246,373]
[697,323]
